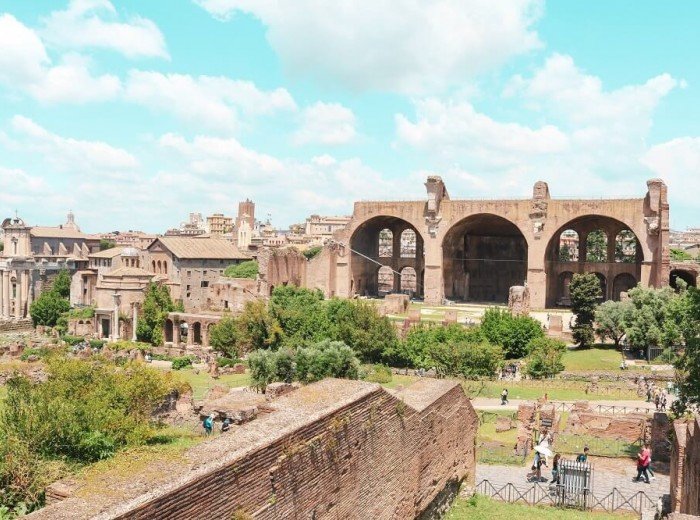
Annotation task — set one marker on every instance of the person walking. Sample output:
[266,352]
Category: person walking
[643,459]
[226,425]
[555,469]
[583,457]
[504,397]
[208,424]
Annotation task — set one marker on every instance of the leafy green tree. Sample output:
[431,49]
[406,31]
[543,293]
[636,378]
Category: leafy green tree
[656,317]
[326,359]
[585,292]
[609,320]
[225,336]
[257,328]
[262,365]
[414,350]
[466,359]
[688,362]
[157,303]
[545,357]
[248,269]
[565,253]
[106,244]
[48,308]
[513,333]
[597,246]
[300,313]
[61,284]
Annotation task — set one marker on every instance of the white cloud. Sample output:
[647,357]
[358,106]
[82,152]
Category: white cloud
[413,46]
[678,163]
[212,102]
[69,155]
[92,24]
[326,123]
[26,67]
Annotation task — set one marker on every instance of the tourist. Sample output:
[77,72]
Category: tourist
[643,460]
[657,401]
[555,469]
[583,457]
[623,365]
[663,402]
[208,424]
[651,473]
[504,397]
[226,425]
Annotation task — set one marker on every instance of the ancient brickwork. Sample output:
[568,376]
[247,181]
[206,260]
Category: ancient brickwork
[334,449]
[628,427]
[15,325]
[685,468]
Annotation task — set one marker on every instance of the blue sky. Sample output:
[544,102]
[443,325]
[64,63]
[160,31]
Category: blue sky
[134,114]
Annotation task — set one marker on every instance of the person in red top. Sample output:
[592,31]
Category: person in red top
[643,461]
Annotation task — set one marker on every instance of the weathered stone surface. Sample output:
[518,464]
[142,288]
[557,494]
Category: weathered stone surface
[519,300]
[685,467]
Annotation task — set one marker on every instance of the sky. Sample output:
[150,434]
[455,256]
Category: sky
[134,114]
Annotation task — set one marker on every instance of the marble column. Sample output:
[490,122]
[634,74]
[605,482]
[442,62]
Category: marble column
[2,294]
[115,317]
[6,294]
[176,333]
[18,295]
[134,320]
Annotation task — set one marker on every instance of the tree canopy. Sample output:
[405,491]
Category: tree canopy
[585,293]
[247,269]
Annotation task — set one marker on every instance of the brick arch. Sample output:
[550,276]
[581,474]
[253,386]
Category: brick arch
[484,254]
[365,260]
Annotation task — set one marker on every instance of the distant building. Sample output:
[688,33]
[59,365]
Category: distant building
[193,227]
[32,257]
[218,224]
[137,239]
[322,228]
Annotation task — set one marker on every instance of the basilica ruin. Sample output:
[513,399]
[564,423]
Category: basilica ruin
[475,250]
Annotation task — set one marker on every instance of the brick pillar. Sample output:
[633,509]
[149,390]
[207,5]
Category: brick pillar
[176,333]
[18,295]
[190,335]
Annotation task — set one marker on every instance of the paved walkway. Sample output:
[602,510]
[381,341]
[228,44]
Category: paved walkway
[618,473]
[487,403]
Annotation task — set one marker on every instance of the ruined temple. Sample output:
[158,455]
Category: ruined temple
[476,250]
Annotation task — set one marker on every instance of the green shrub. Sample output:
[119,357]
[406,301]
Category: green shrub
[157,304]
[312,252]
[585,293]
[48,308]
[467,359]
[248,269]
[227,362]
[326,359]
[545,357]
[61,284]
[376,374]
[182,362]
[39,352]
[262,368]
[513,333]
[73,340]
[224,336]
[97,343]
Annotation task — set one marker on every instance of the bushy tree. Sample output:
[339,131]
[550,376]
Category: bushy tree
[312,252]
[300,313]
[609,320]
[258,329]
[466,359]
[688,362]
[585,293]
[61,284]
[106,244]
[545,357]
[156,306]
[225,336]
[247,269]
[48,308]
[413,351]
[513,333]
[649,318]
[359,325]
[262,368]
[326,359]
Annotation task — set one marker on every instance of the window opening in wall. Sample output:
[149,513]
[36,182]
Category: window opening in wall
[205,283]
[386,243]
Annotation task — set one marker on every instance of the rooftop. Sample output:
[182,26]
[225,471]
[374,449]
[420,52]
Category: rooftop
[59,232]
[200,248]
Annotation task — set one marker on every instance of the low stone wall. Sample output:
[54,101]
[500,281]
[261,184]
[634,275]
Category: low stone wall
[333,449]
[16,325]
[628,427]
[685,468]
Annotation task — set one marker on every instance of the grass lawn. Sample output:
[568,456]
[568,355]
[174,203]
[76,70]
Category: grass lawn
[600,357]
[202,381]
[397,380]
[483,508]
[555,389]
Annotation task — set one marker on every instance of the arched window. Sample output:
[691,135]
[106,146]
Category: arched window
[626,247]
[165,267]
[623,282]
[160,267]
[385,280]
[597,246]
[408,244]
[409,283]
[386,243]
[568,246]
[603,286]
[153,264]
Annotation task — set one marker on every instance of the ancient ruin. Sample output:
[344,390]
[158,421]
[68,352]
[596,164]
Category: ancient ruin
[476,250]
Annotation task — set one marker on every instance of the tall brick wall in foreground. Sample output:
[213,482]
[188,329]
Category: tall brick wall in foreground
[685,468]
[368,454]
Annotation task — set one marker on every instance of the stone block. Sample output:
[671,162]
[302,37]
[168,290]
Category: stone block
[414,315]
[519,300]
[504,424]
[556,325]
[450,316]
[274,390]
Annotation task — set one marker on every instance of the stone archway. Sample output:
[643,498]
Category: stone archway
[483,256]
[623,282]
[563,294]
[408,280]
[168,330]
[383,245]
[197,333]
[593,244]
[603,285]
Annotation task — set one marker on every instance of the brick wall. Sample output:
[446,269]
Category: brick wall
[685,468]
[15,325]
[362,453]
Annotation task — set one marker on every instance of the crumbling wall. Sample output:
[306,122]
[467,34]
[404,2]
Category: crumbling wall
[361,453]
[280,267]
[629,427]
[685,468]
[320,272]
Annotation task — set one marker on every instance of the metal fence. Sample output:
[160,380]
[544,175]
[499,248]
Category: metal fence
[563,406]
[573,443]
[543,494]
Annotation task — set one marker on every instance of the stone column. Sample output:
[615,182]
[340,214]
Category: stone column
[115,317]
[30,290]
[19,313]
[6,294]
[176,333]
[190,335]
[2,294]
[134,319]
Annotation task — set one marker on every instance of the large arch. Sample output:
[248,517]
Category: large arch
[366,258]
[609,260]
[483,256]
[623,282]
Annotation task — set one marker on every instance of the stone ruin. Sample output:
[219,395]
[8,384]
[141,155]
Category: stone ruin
[628,427]
[519,300]
[532,418]
[685,468]
[332,449]
[394,304]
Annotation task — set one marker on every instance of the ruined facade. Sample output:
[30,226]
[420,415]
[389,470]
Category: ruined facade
[475,250]
[332,449]
[685,468]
